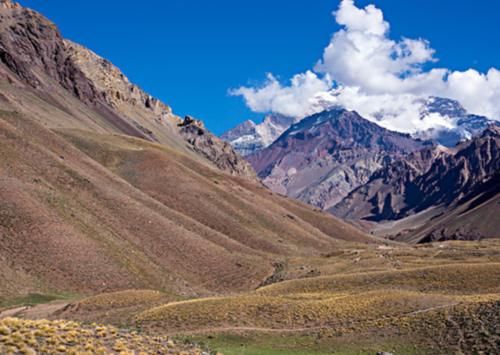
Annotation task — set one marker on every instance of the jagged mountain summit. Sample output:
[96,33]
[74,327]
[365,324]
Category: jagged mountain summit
[249,137]
[321,159]
[461,125]
[9,4]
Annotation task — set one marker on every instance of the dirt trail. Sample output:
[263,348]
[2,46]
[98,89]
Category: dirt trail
[39,311]
[432,309]
[248,329]
[12,312]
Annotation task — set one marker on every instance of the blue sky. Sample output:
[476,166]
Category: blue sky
[189,53]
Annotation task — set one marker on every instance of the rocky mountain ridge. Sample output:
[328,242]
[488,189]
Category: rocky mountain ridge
[455,125]
[322,158]
[395,177]
[9,4]
[116,88]
[407,186]
[35,58]
[450,196]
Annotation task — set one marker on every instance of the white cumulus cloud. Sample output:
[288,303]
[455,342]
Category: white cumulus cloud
[295,100]
[363,69]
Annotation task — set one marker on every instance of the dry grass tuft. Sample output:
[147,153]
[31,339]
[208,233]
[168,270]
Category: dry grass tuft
[66,337]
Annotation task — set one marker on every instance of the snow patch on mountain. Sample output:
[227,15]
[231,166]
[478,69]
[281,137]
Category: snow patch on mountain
[459,125]
[249,137]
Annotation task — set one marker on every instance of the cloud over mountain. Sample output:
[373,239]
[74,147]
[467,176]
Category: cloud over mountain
[296,100]
[385,80]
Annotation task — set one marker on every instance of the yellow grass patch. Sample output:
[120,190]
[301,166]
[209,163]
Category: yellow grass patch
[65,337]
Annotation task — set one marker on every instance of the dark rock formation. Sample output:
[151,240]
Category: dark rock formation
[429,178]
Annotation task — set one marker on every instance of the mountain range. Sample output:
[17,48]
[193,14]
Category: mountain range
[340,162]
[456,125]
[446,193]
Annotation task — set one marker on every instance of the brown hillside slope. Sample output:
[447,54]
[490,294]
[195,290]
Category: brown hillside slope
[103,188]
[140,215]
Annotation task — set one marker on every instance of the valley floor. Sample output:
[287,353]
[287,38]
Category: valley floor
[429,299]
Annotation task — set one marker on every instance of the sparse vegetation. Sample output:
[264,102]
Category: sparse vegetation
[116,307]
[66,337]
[121,299]
[408,300]
[431,302]
[445,279]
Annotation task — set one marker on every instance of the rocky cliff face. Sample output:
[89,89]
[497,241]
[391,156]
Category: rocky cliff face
[31,47]
[457,177]
[38,64]
[430,178]
[248,137]
[208,145]
[114,86]
[324,157]
[384,195]
[8,4]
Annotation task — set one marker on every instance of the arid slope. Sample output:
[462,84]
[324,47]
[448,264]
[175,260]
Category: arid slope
[123,213]
[103,188]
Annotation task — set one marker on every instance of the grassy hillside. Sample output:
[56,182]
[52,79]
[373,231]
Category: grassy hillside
[425,300]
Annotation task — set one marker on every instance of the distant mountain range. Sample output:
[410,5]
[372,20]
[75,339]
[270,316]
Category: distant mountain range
[338,161]
[458,185]
[249,137]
